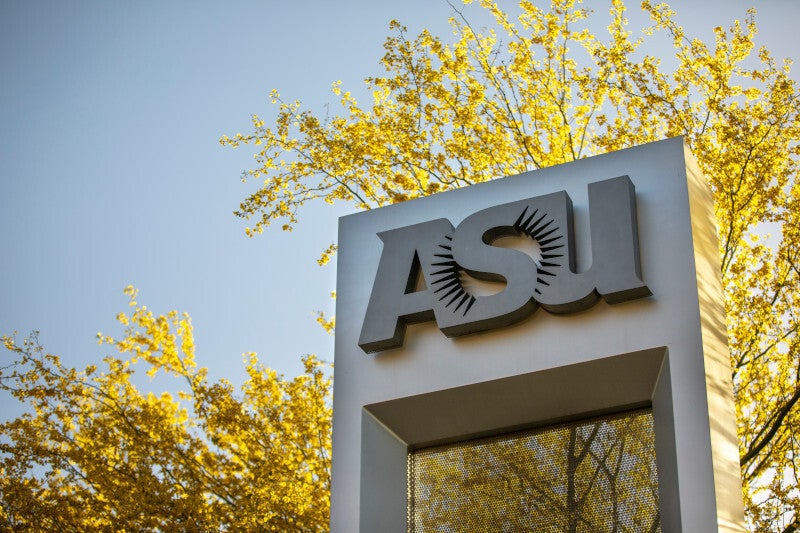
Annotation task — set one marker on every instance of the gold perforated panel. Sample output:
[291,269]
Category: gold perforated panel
[592,476]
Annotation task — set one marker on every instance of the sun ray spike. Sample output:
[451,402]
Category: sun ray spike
[528,220]
[521,216]
[533,227]
[456,297]
[450,284]
[546,233]
[461,302]
[538,232]
[469,305]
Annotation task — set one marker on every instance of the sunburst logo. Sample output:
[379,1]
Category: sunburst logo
[547,253]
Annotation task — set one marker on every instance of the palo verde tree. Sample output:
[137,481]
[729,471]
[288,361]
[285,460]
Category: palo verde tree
[538,88]
[95,453]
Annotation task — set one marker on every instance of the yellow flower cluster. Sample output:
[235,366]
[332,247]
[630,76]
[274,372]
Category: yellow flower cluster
[96,453]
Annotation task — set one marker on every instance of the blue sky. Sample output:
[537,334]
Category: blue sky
[111,172]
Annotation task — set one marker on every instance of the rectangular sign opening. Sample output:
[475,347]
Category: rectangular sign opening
[593,475]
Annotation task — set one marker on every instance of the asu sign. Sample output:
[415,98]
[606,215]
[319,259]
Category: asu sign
[459,265]
[445,255]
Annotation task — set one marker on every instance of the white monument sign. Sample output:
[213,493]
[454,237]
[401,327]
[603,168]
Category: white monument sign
[547,348]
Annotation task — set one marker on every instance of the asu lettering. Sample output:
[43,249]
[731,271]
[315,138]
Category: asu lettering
[442,254]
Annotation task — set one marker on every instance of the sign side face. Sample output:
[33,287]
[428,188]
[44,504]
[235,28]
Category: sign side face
[719,385]
[615,258]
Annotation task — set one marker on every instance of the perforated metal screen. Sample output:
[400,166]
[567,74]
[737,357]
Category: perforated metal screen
[595,475]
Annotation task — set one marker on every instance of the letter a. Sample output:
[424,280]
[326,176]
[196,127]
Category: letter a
[393,303]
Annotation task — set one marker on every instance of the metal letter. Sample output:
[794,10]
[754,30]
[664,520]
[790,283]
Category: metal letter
[615,273]
[393,303]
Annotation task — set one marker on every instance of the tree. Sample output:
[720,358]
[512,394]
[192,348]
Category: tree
[97,454]
[534,91]
[542,89]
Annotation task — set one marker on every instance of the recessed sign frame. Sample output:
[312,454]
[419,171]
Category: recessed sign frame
[663,345]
